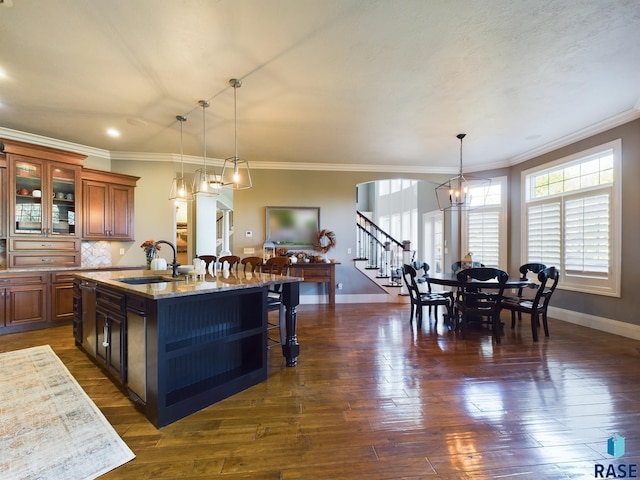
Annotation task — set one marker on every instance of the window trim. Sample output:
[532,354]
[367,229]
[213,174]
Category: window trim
[570,281]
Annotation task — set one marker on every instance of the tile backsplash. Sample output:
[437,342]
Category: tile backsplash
[96,254]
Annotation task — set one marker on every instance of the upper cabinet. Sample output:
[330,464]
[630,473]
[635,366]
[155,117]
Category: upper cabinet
[108,205]
[43,193]
[44,196]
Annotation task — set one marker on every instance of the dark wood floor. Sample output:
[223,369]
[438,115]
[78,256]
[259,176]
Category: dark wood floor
[374,398]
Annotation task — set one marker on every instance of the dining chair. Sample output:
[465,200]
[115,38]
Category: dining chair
[429,299]
[276,266]
[479,298]
[455,266]
[251,264]
[425,267]
[233,261]
[525,271]
[537,307]
[207,260]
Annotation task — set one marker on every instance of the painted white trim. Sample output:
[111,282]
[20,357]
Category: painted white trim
[590,131]
[34,139]
[608,325]
[587,132]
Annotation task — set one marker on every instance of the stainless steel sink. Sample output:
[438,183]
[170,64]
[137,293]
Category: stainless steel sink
[145,280]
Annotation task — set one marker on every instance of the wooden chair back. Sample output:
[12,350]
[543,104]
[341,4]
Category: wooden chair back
[251,264]
[233,260]
[276,265]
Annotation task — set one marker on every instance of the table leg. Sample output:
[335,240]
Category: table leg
[332,287]
[291,299]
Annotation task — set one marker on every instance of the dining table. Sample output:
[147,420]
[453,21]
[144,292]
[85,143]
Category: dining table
[451,280]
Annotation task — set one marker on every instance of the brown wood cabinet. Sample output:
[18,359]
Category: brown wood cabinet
[108,205]
[61,296]
[43,191]
[24,301]
[3,202]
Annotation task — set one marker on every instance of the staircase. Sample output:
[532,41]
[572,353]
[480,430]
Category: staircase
[380,257]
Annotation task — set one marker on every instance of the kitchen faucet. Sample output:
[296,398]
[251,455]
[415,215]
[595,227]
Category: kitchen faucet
[174,264]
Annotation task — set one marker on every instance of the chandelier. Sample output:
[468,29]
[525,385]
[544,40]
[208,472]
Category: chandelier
[235,171]
[462,192]
[180,190]
[205,183]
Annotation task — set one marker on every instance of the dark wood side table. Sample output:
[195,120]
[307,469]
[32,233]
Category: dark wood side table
[317,273]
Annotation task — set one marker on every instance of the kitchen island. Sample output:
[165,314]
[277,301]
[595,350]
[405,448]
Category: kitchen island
[177,345]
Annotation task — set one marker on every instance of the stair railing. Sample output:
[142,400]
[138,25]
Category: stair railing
[381,250]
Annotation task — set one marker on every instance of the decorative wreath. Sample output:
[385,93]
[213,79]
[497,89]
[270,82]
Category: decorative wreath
[325,241]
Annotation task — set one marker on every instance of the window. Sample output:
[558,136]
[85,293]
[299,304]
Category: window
[572,218]
[484,228]
[397,210]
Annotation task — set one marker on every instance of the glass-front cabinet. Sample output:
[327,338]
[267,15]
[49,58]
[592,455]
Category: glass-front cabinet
[44,215]
[44,198]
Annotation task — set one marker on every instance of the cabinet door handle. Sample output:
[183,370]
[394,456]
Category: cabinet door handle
[47,260]
[105,341]
[46,245]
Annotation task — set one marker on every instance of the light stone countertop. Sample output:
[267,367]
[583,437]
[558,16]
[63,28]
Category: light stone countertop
[168,287]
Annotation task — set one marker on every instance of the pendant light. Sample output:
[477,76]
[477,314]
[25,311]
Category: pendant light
[205,183]
[460,192]
[180,190]
[235,171]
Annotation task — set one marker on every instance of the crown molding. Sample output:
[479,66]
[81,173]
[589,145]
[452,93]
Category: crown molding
[590,131]
[53,143]
[257,165]
[587,132]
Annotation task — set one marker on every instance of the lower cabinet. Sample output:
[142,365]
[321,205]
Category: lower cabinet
[24,302]
[111,331]
[61,296]
[31,300]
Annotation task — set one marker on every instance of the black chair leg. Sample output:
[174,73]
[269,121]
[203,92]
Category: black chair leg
[513,319]
[496,327]
[534,326]
[545,324]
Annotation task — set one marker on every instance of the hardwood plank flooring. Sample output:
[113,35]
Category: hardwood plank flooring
[374,397]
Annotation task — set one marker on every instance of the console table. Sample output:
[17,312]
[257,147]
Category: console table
[317,273]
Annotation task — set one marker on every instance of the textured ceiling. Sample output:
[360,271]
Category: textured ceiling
[324,81]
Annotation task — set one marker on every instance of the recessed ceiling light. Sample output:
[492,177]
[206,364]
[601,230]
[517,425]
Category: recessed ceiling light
[2,73]
[112,132]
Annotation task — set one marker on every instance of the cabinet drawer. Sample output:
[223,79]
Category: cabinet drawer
[62,277]
[24,244]
[137,304]
[53,260]
[25,278]
[310,274]
[110,299]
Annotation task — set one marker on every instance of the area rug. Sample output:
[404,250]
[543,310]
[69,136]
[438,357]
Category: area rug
[49,427]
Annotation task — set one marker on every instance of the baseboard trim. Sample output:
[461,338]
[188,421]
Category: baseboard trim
[608,325]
